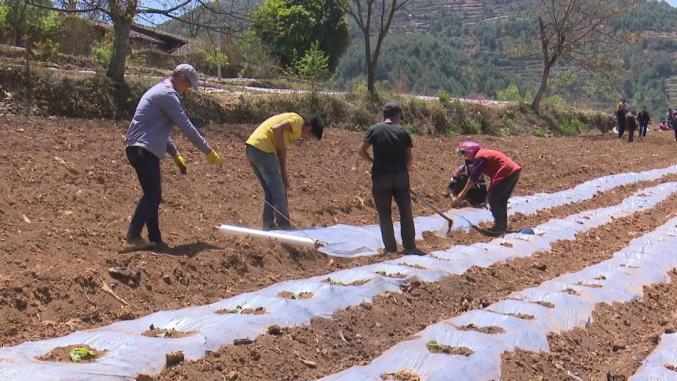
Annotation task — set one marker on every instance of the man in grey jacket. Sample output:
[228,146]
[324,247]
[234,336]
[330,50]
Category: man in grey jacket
[148,138]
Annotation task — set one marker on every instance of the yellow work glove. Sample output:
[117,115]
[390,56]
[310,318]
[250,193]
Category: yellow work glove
[214,158]
[181,163]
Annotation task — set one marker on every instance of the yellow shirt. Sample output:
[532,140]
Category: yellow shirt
[262,138]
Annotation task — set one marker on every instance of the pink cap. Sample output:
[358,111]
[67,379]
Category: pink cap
[468,149]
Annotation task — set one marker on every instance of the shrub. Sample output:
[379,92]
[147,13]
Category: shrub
[443,96]
[571,127]
[47,49]
[102,51]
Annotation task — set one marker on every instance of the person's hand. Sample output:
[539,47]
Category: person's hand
[181,163]
[214,158]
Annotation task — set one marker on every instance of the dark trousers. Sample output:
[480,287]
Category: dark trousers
[631,134]
[621,127]
[498,200]
[385,188]
[147,167]
[642,128]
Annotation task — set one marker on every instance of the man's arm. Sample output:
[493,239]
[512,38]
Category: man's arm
[172,106]
[172,149]
[278,136]
[364,153]
[474,177]
[410,160]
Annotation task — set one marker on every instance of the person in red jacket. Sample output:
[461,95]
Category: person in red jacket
[503,174]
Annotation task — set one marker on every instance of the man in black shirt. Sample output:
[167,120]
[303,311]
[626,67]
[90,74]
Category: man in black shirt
[644,120]
[390,175]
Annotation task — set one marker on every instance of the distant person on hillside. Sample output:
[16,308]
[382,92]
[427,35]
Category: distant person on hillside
[147,141]
[391,164]
[669,116]
[503,174]
[266,150]
[644,119]
[477,195]
[673,121]
[620,117]
[631,124]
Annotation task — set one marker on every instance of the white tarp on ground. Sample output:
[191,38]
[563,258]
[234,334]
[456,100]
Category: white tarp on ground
[556,305]
[654,367]
[356,241]
[130,353]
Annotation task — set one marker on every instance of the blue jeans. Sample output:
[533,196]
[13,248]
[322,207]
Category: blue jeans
[147,167]
[267,169]
[642,128]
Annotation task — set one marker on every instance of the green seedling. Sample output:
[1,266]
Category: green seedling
[81,354]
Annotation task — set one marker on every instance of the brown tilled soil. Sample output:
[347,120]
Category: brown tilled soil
[612,347]
[358,335]
[69,194]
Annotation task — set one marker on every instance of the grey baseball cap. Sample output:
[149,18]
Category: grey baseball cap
[189,72]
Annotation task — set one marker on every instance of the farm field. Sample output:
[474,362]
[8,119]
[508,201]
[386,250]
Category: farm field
[69,192]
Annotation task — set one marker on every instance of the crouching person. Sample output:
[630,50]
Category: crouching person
[477,194]
[503,174]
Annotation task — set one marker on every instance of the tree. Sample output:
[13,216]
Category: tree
[123,14]
[579,32]
[290,27]
[23,19]
[369,12]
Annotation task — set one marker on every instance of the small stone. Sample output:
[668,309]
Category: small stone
[308,363]
[244,341]
[540,266]
[617,347]
[232,376]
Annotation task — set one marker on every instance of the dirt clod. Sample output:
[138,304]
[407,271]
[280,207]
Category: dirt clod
[174,358]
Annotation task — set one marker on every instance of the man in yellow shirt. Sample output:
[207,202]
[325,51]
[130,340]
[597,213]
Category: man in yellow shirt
[267,152]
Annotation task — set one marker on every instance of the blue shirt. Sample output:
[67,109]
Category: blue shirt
[158,111]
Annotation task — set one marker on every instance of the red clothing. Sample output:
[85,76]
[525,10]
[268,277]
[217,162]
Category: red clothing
[495,165]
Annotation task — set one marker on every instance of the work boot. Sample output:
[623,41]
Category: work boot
[135,244]
[383,251]
[414,251]
[157,246]
[497,230]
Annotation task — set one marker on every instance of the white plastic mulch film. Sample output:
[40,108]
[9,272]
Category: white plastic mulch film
[356,241]
[655,367]
[129,353]
[526,317]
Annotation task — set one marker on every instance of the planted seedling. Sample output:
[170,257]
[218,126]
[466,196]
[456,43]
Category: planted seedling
[491,330]
[403,375]
[391,275]
[293,296]
[239,310]
[358,282]
[435,347]
[165,333]
[570,291]
[80,354]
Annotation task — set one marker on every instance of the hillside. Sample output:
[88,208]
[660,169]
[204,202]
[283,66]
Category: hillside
[480,47]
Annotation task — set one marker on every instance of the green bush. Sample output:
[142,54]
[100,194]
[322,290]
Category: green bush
[443,96]
[47,49]
[571,127]
[102,51]
[472,127]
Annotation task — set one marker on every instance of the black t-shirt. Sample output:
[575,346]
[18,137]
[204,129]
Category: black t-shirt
[390,142]
[643,117]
